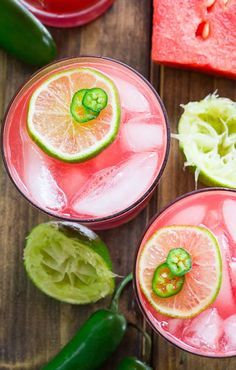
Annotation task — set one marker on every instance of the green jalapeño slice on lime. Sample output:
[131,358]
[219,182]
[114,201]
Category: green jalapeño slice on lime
[87,104]
[95,99]
[165,284]
[79,112]
[197,255]
[74,114]
[179,261]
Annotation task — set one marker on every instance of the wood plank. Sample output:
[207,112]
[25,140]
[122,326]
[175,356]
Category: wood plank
[177,87]
[33,326]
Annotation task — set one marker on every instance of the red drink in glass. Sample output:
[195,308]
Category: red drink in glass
[213,331]
[67,13]
[116,184]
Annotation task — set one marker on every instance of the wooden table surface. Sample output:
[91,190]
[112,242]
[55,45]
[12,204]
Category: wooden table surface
[33,327]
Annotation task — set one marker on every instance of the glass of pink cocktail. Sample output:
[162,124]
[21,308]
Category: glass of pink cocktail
[67,13]
[211,332]
[114,185]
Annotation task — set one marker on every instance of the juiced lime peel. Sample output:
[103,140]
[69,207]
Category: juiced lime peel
[207,135]
[69,262]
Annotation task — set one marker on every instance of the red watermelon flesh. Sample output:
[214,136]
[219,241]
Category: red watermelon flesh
[190,34]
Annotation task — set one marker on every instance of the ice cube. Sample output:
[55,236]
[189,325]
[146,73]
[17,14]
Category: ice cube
[71,178]
[229,211]
[140,136]
[116,187]
[40,182]
[205,330]
[230,333]
[174,326]
[212,219]
[132,98]
[193,215]
[225,302]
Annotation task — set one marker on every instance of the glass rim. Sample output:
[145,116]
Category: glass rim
[150,189]
[138,300]
[38,12]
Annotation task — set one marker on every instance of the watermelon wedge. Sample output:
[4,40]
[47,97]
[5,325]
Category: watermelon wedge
[196,34]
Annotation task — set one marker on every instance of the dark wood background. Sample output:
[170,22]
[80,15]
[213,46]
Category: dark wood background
[33,327]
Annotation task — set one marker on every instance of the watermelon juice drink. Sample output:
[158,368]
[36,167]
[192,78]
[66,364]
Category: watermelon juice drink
[115,184]
[67,13]
[201,317]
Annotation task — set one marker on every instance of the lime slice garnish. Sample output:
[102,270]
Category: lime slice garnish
[68,262]
[207,135]
[56,130]
[201,284]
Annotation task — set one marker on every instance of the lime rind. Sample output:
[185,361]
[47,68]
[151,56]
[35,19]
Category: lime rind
[215,291]
[93,150]
[207,136]
[66,268]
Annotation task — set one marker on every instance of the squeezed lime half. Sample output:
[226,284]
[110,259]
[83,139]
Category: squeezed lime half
[207,135]
[69,262]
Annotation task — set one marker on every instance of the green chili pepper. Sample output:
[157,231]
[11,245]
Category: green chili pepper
[95,99]
[132,363]
[95,341]
[23,36]
[78,111]
[179,261]
[164,283]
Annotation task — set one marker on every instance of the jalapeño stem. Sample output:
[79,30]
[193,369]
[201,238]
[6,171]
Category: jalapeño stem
[115,300]
[147,337]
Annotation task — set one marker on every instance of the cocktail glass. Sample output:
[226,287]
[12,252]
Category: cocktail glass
[213,332]
[67,13]
[112,187]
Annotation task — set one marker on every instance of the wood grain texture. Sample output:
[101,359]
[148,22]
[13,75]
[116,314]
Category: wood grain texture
[32,326]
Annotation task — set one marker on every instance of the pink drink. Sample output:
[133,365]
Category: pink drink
[115,185]
[212,332]
[67,13]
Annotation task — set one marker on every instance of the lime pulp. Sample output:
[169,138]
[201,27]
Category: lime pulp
[207,136]
[69,263]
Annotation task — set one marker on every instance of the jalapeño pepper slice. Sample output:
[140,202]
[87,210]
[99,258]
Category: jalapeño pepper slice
[79,112]
[164,283]
[179,261]
[95,99]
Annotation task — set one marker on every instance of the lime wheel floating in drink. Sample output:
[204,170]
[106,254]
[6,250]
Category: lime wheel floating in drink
[63,125]
[185,272]
[201,284]
[82,133]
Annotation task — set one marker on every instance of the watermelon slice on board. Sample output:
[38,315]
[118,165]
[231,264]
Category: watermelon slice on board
[196,34]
